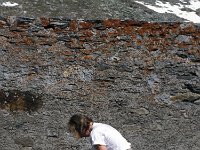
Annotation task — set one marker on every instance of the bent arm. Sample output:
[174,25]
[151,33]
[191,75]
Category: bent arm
[100,147]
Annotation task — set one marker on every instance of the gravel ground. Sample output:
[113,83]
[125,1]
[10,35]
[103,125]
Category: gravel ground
[87,9]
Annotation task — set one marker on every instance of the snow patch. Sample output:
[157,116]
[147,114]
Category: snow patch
[9,4]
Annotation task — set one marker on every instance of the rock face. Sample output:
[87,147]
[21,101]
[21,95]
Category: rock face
[142,78]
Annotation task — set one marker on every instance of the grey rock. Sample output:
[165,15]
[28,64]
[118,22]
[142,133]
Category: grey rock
[183,38]
[142,111]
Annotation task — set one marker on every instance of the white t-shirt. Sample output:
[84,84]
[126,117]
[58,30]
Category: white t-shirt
[103,134]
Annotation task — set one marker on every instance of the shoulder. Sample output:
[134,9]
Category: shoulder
[97,126]
[100,126]
[103,128]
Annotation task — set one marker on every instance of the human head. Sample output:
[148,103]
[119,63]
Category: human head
[80,125]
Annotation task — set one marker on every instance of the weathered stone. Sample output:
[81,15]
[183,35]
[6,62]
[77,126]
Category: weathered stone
[193,88]
[24,141]
[186,97]
[141,111]
[197,102]
[183,38]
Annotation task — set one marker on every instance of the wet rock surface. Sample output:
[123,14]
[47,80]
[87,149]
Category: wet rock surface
[140,77]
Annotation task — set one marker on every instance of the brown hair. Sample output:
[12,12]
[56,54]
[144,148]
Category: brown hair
[78,123]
